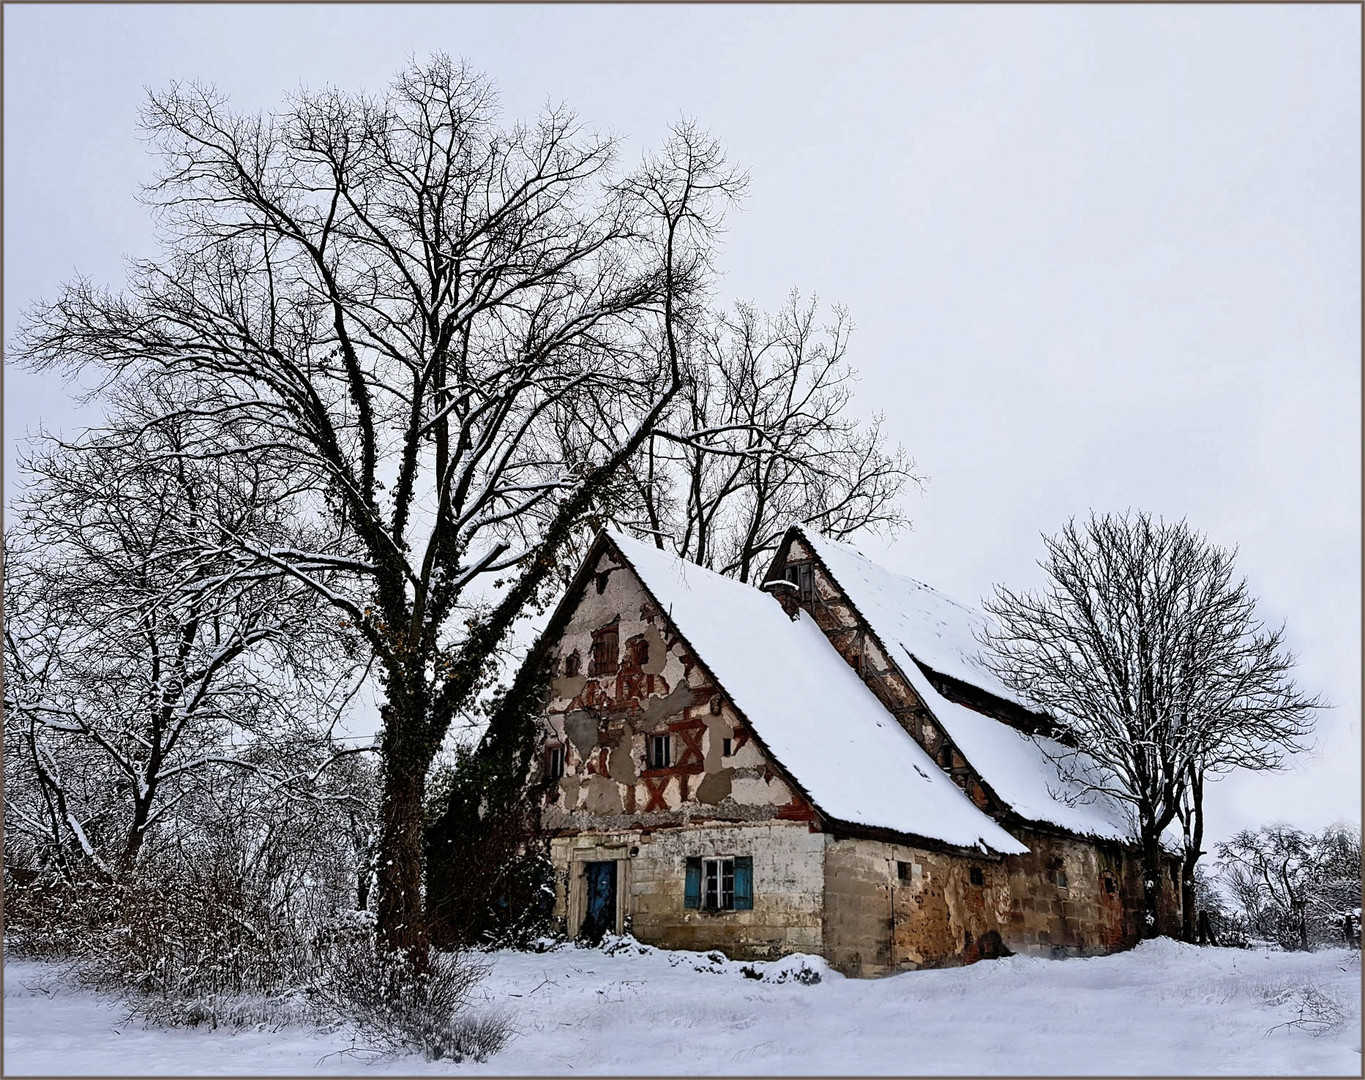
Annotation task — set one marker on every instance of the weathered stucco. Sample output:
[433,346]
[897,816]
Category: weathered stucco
[603,719]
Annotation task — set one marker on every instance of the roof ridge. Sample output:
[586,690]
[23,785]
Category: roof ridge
[971,609]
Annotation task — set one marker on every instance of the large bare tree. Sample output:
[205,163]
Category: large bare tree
[1145,648]
[452,331]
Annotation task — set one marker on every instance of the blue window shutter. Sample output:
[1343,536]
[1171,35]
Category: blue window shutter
[744,883]
[692,895]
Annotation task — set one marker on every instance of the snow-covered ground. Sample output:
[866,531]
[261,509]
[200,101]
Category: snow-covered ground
[1164,1008]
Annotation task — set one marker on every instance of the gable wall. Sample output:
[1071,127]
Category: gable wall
[609,805]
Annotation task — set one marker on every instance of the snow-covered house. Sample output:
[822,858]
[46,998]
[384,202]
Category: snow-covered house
[820,765]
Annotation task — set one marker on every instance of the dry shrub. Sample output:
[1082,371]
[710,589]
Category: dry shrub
[398,1009]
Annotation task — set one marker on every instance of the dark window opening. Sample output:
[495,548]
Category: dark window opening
[556,764]
[640,653]
[1109,885]
[601,581]
[1059,878]
[573,664]
[802,575]
[659,755]
[718,884]
[945,756]
[727,747]
[903,871]
[976,876]
[605,650]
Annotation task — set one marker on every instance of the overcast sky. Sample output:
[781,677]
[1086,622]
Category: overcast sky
[1099,257]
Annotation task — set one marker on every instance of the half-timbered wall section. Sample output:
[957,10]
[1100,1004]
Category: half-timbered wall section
[652,688]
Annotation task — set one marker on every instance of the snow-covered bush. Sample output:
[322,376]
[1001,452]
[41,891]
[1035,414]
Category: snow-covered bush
[398,1009]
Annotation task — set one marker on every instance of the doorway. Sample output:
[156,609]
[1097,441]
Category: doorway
[600,916]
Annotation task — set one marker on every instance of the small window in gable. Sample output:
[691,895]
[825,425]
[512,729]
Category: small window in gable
[659,752]
[727,747]
[802,575]
[1059,877]
[639,653]
[976,876]
[556,762]
[945,756]
[573,664]
[1110,886]
[605,650]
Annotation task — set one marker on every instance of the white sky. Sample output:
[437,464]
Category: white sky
[1097,256]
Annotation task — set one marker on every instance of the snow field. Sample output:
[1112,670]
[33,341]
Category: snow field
[1162,1009]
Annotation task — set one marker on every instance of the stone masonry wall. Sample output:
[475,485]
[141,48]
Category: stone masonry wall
[787,915]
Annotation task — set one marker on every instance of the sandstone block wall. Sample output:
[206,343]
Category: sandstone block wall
[788,861]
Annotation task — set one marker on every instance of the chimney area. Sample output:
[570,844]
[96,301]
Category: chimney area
[787,595]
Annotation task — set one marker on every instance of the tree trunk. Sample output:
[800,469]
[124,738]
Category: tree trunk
[401,918]
[1194,840]
[1151,884]
[1189,916]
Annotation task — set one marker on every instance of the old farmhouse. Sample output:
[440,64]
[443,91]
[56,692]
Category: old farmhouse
[820,765]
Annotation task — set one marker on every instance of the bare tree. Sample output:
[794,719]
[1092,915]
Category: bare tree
[453,332]
[760,437]
[1147,651]
[1294,886]
[137,657]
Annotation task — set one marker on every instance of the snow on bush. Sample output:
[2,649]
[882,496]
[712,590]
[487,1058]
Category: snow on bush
[802,968]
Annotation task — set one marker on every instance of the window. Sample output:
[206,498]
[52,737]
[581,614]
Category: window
[976,876]
[1109,886]
[945,756]
[727,747]
[573,664]
[660,756]
[605,650]
[1059,878]
[556,762]
[802,575]
[909,871]
[720,884]
[640,653]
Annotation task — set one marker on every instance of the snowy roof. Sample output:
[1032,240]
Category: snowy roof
[916,622]
[809,708]
[1021,769]
[939,630]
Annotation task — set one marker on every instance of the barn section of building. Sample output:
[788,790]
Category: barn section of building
[821,765]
